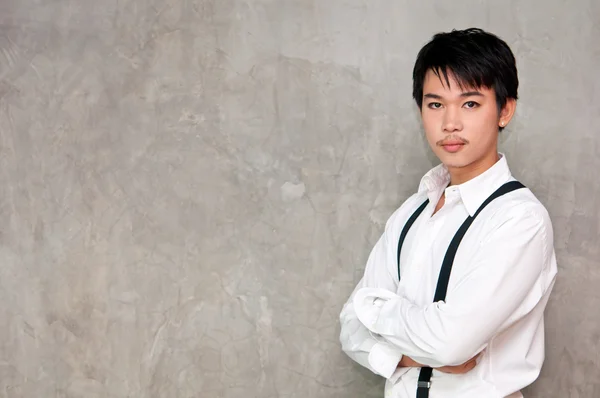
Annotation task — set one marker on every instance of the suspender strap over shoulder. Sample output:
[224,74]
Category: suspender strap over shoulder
[407,226]
[443,279]
[424,382]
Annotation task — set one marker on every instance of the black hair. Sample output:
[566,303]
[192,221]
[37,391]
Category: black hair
[474,57]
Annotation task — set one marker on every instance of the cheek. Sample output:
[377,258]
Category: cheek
[483,122]
[431,123]
[430,132]
[481,132]
[485,118]
[430,116]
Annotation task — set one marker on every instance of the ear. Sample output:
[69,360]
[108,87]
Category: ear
[507,112]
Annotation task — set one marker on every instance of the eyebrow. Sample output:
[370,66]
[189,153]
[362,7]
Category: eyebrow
[465,94]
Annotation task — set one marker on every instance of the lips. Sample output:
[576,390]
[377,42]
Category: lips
[453,146]
[452,142]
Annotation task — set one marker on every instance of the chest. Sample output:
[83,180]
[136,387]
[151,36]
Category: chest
[426,245]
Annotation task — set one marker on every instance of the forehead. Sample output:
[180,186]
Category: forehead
[437,84]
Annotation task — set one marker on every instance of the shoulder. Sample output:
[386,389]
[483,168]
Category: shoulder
[399,217]
[519,210]
[521,203]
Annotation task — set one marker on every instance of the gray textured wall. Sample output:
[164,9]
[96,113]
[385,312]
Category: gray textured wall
[189,189]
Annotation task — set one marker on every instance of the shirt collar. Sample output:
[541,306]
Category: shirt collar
[473,192]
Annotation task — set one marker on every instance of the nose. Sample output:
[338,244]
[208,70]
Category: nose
[451,121]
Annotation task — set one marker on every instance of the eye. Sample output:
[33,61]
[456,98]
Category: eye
[471,104]
[434,105]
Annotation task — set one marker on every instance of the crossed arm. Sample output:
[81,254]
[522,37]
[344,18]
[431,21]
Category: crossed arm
[382,330]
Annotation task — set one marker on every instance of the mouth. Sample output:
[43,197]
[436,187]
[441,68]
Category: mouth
[453,147]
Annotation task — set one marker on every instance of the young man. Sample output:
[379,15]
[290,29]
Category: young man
[452,299]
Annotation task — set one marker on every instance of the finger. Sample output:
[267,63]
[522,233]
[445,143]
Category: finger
[476,357]
[461,369]
[472,360]
[470,366]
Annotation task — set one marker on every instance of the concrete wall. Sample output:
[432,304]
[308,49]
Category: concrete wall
[189,189]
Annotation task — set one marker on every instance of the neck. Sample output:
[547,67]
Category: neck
[460,175]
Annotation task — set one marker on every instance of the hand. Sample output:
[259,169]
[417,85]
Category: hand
[407,362]
[460,369]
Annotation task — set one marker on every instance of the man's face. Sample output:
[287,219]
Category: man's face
[461,125]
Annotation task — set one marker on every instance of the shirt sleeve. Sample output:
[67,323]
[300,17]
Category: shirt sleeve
[361,344]
[502,284]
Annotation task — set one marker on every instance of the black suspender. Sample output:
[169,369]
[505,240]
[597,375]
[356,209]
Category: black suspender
[442,285]
[407,226]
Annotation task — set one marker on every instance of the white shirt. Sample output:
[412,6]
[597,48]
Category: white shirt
[502,276]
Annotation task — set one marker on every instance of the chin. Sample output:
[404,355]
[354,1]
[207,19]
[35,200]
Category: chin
[455,165]
[452,160]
